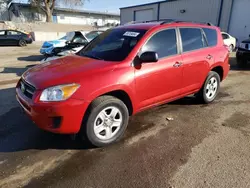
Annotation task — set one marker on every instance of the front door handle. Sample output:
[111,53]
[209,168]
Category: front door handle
[209,57]
[177,64]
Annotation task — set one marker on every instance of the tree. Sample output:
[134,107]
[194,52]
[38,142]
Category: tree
[47,6]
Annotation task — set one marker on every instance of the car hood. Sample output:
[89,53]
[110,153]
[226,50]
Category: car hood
[54,43]
[246,41]
[66,70]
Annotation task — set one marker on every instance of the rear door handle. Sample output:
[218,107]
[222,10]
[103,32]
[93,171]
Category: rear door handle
[209,57]
[177,64]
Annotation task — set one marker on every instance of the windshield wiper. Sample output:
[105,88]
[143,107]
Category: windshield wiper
[92,56]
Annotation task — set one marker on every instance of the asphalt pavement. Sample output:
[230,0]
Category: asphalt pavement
[178,145]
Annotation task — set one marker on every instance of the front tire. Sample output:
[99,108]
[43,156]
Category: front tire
[210,88]
[106,121]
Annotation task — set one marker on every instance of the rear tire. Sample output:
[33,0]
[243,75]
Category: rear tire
[22,43]
[105,122]
[210,88]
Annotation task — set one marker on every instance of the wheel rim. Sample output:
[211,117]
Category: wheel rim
[22,43]
[107,123]
[211,88]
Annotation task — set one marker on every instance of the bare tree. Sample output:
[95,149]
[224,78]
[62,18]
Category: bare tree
[47,6]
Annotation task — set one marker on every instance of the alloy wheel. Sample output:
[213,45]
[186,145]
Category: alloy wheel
[108,123]
[211,88]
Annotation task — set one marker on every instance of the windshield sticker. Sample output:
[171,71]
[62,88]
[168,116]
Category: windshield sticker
[131,34]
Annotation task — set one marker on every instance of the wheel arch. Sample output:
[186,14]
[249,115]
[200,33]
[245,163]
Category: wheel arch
[219,70]
[122,94]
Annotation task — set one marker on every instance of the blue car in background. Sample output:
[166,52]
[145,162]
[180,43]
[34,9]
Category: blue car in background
[48,46]
[71,37]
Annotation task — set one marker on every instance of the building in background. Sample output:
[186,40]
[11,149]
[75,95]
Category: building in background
[4,15]
[231,16]
[21,12]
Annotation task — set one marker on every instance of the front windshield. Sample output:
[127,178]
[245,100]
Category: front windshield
[63,38]
[91,35]
[113,45]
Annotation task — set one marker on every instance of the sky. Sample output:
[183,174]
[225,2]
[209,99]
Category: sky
[112,5]
[106,5]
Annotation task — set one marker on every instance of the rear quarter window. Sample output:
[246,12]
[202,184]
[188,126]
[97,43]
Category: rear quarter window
[211,35]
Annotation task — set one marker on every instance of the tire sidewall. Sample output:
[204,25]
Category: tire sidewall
[92,116]
[217,77]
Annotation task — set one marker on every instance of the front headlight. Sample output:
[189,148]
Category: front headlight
[59,93]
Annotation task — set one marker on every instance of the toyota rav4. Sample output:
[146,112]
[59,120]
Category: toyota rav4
[123,71]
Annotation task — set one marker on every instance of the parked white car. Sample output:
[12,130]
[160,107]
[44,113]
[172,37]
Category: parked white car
[62,54]
[229,41]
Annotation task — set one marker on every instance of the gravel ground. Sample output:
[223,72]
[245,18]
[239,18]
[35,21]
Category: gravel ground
[204,145]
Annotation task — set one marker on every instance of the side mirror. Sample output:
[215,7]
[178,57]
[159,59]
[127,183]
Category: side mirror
[149,57]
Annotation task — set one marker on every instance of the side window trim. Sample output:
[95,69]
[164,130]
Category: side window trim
[204,38]
[177,42]
[181,46]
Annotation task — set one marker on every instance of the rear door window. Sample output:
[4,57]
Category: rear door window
[163,43]
[191,39]
[13,33]
[211,36]
[2,33]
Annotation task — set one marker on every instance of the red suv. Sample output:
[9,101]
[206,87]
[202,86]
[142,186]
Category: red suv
[121,72]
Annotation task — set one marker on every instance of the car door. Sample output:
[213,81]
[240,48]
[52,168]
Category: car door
[160,81]
[13,37]
[2,37]
[196,59]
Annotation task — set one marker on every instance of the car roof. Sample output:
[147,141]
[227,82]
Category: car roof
[13,30]
[154,24]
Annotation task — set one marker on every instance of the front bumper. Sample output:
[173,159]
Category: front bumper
[243,54]
[29,41]
[58,117]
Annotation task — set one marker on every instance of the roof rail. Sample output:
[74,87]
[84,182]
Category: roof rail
[206,23]
[161,21]
[168,21]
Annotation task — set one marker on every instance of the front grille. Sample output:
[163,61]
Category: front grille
[27,89]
